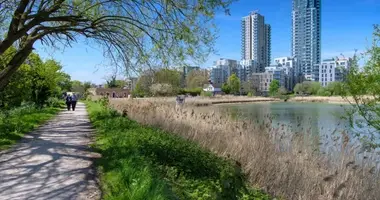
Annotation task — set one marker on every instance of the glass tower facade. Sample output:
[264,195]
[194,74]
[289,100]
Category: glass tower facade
[306,38]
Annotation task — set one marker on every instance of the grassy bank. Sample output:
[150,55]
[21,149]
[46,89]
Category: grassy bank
[283,163]
[16,122]
[140,162]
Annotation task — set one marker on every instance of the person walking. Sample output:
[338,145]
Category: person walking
[68,102]
[74,101]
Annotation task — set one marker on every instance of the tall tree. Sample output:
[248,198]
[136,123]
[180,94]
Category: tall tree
[196,79]
[274,86]
[234,84]
[136,32]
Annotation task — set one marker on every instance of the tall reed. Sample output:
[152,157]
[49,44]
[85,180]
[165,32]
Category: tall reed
[284,164]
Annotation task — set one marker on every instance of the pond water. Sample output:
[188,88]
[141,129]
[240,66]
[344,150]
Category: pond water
[324,122]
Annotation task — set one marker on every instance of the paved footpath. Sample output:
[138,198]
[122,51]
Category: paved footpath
[53,162]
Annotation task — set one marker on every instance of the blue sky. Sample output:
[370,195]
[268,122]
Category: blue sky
[346,25]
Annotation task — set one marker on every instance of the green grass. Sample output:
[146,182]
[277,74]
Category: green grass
[143,163]
[15,123]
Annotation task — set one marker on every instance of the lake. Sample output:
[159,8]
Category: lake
[323,122]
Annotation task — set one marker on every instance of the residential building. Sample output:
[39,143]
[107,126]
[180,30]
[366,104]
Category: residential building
[222,69]
[256,40]
[261,82]
[306,38]
[334,69]
[289,65]
[188,69]
[250,66]
[279,73]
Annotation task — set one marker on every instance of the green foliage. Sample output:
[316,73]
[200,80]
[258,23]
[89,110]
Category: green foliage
[162,90]
[16,122]
[250,94]
[226,88]
[162,77]
[192,92]
[206,94]
[146,163]
[307,87]
[35,82]
[197,79]
[55,102]
[274,87]
[234,84]
[364,87]
[335,88]
[323,92]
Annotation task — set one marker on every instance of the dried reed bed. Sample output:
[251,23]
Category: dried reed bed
[333,99]
[282,164]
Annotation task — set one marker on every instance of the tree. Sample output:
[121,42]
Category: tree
[196,79]
[248,87]
[274,86]
[136,32]
[335,88]
[282,91]
[161,89]
[234,84]
[364,88]
[226,88]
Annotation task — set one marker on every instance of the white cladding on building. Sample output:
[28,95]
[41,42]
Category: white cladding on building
[222,69]
[335,69]
[256,40]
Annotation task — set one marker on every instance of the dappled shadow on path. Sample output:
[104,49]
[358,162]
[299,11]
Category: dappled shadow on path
[53,162]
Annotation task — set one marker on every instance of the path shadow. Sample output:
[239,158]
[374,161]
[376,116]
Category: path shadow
[53,162]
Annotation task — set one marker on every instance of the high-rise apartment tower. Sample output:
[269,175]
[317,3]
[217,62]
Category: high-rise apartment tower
[256,40]
[306,37]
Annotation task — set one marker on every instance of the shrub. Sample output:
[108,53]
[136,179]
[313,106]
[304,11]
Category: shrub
[55,102]
[192,92]
[206,94]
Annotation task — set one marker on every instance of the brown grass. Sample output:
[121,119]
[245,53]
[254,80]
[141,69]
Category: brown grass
[281,163]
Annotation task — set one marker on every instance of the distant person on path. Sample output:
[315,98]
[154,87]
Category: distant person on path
[74,101]
[68,102]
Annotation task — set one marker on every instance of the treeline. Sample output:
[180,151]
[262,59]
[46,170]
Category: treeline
[36,82]
[168,82]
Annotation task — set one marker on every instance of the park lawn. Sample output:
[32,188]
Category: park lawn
[19,121]
[143,163]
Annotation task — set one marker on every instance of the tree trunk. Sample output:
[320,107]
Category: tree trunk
[14,64]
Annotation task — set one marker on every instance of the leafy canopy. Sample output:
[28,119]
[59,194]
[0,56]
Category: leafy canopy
[133,33]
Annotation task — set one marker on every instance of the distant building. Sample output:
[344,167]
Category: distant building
[279,73]
[212,88]
[256,40]
[306,37]
[188,69]
[261,82]
[222,69]
[289,65]
[334,69]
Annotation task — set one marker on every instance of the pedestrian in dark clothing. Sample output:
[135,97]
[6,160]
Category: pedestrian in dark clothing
[74,101]
[68,102]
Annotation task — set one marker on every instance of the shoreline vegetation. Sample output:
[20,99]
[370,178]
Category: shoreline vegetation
[15,123]
[144,162]
[208,101]
[283,164]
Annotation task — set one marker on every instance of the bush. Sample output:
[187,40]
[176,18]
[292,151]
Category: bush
[323,92]
[250,94]
[206,94]
[192,92]
[55,102]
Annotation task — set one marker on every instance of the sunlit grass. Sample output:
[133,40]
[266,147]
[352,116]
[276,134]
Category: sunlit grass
[17,122]
[140,162]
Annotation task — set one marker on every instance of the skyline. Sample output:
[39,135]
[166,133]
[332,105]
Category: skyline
[342,32]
